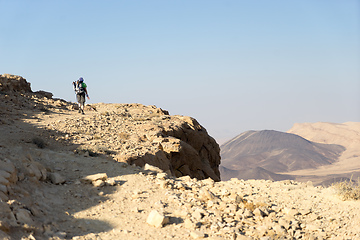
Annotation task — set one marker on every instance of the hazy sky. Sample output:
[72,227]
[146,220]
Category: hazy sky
[233,65]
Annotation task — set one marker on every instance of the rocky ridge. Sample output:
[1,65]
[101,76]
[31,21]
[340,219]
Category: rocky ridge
[56,183]
[138,134]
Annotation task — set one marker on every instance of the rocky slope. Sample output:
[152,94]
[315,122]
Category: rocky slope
[62,180]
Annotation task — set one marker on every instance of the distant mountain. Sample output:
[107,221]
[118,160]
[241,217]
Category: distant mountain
[275,152]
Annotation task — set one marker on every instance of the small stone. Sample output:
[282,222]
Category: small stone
[7,166]
[197,234]
[151,168]
[61,235]
[157,219]
[162,176]
[259,213]
[189,224]
[197,214]
[279,230]
[56,178]
[23,216]
[110,182]
[98,183]
[4,174]
[235,197]
[284,223]
[247,214]
[291,211]
[4,181]
[95,177]
[206,195]
[3,188]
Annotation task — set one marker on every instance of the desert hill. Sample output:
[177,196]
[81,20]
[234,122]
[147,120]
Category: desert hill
[64,175]
[346,135]
[275,152]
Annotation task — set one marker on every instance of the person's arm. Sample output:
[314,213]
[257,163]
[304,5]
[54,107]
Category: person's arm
[87,95]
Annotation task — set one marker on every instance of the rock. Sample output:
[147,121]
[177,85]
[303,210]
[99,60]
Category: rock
[6,214]
[149,167]
[247,214]
[9,167]
[197,234]
[291,211]
[56,178]
[259,213]
[189,224]
[37,170]
[206,195]
[4,174]
[4,181]
[110,182]
[3,196]
[162,176]
[98,183]
[43,94]
[279,229]
[157,219]
[3,188]
[14,83]
[197,214]
[94,177]
[24,216]
[235,198]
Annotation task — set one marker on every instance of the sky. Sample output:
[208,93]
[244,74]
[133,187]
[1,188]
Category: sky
[234,65]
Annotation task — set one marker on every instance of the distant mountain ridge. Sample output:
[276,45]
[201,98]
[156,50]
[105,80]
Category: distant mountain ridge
[275,152]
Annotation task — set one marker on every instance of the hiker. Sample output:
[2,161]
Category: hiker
[81,91]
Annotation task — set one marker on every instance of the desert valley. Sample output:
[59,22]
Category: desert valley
[130,171]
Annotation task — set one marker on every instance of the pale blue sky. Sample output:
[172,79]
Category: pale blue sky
[233,65]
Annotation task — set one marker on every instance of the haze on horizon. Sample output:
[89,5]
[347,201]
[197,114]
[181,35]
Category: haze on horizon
[232,65]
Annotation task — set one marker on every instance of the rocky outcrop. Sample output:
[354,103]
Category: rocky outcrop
[13,83]
[138,134]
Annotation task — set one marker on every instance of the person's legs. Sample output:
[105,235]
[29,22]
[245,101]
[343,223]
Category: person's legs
[81,102]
